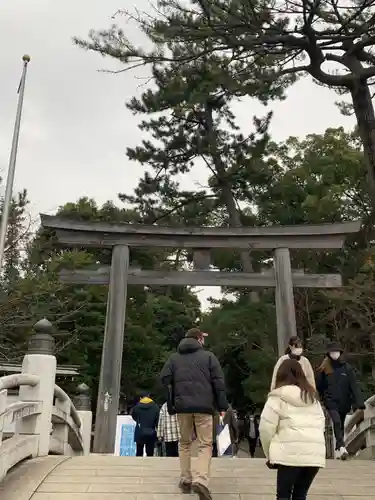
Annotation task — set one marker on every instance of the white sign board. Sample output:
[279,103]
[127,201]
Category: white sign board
[124,444]
[223,441]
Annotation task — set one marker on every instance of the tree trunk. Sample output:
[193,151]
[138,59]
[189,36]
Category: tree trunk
[235,220]
[364,112]
[226,187]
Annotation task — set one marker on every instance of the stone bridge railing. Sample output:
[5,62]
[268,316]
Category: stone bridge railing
[360,431]
[44,419]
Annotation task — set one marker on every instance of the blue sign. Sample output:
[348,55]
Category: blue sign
[125,445]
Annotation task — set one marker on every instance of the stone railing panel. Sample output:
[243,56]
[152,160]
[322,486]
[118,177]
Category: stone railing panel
[58,447]
[65,430]
[43,418]
[66,424]
[18,447]
[17,411]
[360,415]
[360,430]
[3,405]
[62,396]
[15,450]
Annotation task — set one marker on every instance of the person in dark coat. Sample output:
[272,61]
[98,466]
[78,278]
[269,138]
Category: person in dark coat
[251,431]
[146,417]
[229,419]
[339,392]
[194,380]
[215,427]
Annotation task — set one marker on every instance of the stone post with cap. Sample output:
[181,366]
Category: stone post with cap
[40,360]
[82,403]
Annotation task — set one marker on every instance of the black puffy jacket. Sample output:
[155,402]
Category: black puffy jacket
[146,417]
[194,380]
[339,390]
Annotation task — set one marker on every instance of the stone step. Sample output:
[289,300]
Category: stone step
[104,477]
[131,478]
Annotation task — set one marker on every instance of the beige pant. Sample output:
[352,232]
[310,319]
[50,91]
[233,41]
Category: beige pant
[203,427]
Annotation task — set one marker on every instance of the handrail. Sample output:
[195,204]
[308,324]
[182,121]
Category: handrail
[18,379]
[62,396]
[358,415]
[76,418]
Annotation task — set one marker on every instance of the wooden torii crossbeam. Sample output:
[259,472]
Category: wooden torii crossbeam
[266,279]
[119,237]
[99,234]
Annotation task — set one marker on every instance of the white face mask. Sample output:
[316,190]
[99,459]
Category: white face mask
[335,355]
[296,351]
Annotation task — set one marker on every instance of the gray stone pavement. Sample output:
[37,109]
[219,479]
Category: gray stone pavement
[104,477]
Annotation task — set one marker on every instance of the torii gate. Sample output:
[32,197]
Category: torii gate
[120,236]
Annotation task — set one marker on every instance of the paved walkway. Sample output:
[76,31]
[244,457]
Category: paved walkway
[101,477]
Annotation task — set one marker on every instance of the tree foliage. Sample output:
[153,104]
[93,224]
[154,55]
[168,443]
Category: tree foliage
[243,336]
[266,46]
[191,125]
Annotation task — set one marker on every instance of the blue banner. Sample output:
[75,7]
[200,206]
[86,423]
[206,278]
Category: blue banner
[125,445]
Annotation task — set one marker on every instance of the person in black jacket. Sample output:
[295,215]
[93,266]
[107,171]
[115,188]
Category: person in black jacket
[251,431]
[146,417]
[339,391]
[196,390]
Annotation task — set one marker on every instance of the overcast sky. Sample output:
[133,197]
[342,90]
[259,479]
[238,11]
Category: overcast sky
[75,126]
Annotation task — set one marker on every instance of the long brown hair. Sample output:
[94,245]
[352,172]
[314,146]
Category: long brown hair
[326,366]
[291,373]
[293,342]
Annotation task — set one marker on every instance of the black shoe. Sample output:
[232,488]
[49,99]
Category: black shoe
[185,487]
[202,491]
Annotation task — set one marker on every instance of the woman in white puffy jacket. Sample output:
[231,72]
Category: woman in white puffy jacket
[292,432]
[294,351]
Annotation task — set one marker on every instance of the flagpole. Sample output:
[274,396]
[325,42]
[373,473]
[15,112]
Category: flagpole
[12,162]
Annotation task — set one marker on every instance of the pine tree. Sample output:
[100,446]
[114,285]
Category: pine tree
[18,235]
[268,45]
[191,123]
